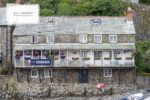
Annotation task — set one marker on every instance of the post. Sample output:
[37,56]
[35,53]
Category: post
[59,58]
[92,56]
[67,58]
[23,58]
[102,57]
[41,56]
[80,57]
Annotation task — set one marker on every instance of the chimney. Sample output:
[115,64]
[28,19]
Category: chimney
[129,14]
[19,1]
[2,3]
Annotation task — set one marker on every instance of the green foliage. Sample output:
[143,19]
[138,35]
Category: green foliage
[5,70]
[81,7]
[47,7]
[145,2]
[11,1]
[141,56]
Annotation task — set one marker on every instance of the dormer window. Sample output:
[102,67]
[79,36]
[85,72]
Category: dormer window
[83,38]
[112,38]
[96,21]
[34,39]
[50,39]
[51,21]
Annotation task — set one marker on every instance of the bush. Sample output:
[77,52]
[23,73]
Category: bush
[145,2]
[5,70]
[81,7]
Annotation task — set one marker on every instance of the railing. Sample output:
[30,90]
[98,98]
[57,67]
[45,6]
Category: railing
[128,63]
[74,63]
[77,63]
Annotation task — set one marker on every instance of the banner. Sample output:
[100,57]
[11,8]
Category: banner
[41,62]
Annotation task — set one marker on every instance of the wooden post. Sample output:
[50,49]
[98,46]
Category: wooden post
[17,76]
[28,76]
[119,76]
[67,58]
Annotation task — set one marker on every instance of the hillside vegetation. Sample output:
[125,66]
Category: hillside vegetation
[80,7]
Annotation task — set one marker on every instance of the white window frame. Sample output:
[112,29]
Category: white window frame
[36,75]
[97,36]
[49,73]
[107,73]
[84,54]
[83,38]
[34,39]
[47,39]
[113,40]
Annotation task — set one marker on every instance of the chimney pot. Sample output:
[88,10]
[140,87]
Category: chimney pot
[19,1]
[2,3]
[129,14]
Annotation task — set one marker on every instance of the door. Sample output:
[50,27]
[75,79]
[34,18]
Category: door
[83,76]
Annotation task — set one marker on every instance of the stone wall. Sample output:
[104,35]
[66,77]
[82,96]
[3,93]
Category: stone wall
[52,90]
[61,38]
[8,89]
[63,75]
[142,22]
[6,45]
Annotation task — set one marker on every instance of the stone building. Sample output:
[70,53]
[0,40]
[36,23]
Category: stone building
[5,37]
[73,49]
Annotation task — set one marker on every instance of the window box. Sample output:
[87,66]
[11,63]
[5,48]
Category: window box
[129,58]
[75,58]
[118,58]
[86,58]
[55,58]
[98,58]
[107,58]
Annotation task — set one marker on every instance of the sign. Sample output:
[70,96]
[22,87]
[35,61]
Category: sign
[41,62]
[22,14]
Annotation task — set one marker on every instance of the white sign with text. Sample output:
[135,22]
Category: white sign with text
[22,14]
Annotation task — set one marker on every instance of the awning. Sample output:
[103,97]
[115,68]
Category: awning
[70,46]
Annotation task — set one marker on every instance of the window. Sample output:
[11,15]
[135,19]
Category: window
[83,54]
[97,55]
[113,38]
[96,21]
[50,39]
[107,72]
[34,73]
[97,38]
[83,38]
[34,39]
[47,73]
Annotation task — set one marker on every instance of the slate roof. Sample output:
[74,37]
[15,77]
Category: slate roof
[77,25]
[3,16]
[78,46]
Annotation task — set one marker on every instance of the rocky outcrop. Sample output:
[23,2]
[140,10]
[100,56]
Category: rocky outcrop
[52,90]
[142,22]
[8,89]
